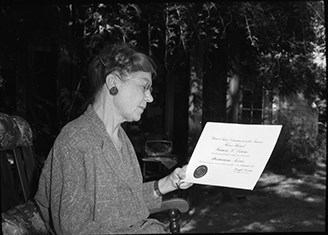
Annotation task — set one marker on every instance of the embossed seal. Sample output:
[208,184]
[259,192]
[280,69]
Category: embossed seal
[200,171]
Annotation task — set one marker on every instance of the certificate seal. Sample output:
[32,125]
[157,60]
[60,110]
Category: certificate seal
[200,171]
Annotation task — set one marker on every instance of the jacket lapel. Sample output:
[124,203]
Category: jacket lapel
[123,163]
[119,165]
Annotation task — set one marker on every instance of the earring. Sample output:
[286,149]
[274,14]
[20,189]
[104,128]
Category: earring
[113,90]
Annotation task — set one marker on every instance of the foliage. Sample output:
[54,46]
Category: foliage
[279,38]
[285,62]
[110,23]
[280,45]
[299,141]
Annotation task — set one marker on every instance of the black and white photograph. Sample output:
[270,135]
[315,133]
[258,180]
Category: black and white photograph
[146,117]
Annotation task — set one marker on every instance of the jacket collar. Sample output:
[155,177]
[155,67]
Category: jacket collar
[117,160]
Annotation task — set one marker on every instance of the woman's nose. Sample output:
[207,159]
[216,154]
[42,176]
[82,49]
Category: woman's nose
[149,98]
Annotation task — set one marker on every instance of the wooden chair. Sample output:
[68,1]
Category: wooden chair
[20,172]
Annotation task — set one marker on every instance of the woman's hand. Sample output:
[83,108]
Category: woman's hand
[174,181]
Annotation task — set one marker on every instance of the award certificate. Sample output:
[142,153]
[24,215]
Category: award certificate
[231,155]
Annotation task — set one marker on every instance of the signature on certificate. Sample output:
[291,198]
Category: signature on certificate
[242,170]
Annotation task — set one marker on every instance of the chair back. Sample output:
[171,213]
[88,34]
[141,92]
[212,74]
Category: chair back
[19,169]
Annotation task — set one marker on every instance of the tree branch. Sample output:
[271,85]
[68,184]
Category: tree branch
[318,14]
[249,31]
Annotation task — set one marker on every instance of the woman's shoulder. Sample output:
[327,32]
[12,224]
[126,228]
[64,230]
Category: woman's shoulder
[77,131]
[77,125]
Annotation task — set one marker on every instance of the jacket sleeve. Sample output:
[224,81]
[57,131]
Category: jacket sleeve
[72,203]
[151,200]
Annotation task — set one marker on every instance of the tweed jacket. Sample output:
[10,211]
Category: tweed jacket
[89,187]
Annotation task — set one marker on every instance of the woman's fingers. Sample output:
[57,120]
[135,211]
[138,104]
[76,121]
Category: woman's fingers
[177,177]
[182,175]
[181,172]
[184,185]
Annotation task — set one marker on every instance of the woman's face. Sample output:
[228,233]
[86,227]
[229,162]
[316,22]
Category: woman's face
[133,95]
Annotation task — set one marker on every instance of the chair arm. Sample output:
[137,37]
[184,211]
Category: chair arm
[23,219]
[175,207]
[174,203]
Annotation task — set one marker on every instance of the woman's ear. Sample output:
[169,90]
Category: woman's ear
[111,80]
[111,84]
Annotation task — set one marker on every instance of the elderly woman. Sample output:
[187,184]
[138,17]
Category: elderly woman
[91,182]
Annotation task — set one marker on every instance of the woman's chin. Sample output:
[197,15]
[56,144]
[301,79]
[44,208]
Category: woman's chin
[135,118]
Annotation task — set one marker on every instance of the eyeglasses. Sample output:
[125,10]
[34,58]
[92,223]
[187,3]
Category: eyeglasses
[147,87]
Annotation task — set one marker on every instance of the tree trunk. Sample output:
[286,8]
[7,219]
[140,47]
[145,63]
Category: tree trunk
[169,103]
[234,48]
[215,85]
[195,96]
[181,106]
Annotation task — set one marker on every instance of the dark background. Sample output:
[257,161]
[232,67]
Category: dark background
[214,62]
